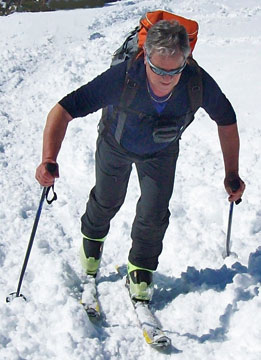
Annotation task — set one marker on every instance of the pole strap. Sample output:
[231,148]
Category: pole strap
[49,201]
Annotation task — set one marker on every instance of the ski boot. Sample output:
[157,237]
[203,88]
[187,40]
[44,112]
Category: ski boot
[90,255]
[140,283]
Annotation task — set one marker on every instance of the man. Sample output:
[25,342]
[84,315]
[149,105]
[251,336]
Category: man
[143,128]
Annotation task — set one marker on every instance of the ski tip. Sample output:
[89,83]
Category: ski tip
[92,312]
[160,341]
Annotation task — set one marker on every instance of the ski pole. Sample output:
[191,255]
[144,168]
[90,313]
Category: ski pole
[51,168]
[235,185]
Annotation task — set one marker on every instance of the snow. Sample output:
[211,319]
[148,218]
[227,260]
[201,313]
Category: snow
[209,306]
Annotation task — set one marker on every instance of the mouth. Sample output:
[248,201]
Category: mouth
[166,84]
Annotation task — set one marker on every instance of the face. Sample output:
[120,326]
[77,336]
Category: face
[163,84]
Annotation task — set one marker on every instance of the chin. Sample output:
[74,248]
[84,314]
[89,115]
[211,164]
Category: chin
[166,87]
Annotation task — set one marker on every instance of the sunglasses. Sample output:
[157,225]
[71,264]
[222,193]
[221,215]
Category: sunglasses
[161,72]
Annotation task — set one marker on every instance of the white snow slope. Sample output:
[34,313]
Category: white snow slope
[210,307]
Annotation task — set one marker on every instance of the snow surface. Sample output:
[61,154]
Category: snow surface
[210,307]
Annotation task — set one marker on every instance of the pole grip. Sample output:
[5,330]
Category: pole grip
[235,185]
[51,167]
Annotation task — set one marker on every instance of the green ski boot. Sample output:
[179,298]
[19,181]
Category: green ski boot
[90,255]
[140,283]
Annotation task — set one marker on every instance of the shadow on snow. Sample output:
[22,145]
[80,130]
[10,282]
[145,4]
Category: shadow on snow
[193,280]
[217,279]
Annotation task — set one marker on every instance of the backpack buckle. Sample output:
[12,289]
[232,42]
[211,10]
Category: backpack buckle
[131,84]
[195,88]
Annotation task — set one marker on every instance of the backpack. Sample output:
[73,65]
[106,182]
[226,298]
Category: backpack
[132,49]
[133,44]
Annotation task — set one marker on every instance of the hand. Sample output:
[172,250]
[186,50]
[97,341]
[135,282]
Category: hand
[235,187]
[45,177]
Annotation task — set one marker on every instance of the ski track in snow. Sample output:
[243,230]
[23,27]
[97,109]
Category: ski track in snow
[210,307]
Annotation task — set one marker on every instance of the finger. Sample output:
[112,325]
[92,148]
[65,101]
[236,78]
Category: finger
[236,196]
[43,176]
[48,178]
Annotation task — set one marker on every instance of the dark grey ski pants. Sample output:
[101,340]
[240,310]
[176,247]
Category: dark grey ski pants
[156,178]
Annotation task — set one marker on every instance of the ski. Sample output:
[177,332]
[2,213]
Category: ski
[151,329]
[150,326]
[89,298]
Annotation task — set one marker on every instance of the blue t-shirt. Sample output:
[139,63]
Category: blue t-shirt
[137,137]
[158,102]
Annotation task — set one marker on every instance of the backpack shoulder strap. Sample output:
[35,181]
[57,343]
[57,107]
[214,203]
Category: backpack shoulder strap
[195,87]
[195,92]
[129,92]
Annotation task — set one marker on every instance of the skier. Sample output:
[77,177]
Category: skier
[141,128]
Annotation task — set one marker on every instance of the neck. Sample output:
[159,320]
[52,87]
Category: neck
[156,98]
[157,92]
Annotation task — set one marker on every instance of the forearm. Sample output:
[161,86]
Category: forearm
[229,141]
[54,132]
